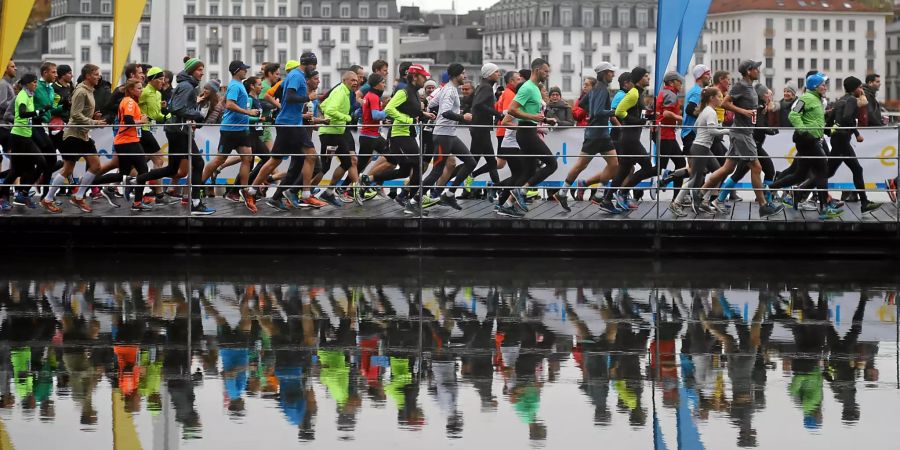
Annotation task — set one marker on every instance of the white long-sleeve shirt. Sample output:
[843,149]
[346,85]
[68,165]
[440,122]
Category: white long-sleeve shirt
[707,127]
[446,100]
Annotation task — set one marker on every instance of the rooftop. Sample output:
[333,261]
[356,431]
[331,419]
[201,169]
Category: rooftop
[724,6]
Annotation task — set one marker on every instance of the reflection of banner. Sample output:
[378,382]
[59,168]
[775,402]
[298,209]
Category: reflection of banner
[566,145]
[13,18]
[126,18]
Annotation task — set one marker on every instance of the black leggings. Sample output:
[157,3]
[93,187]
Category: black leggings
[702,163]
[367,147]
[669,150]
[768,166]
[48,163]
[817,168]
[25,162]
[532,145]
[631,152]
[179,147]
[341,151]
[842,153]
[519,171]
[483,146]
[128,154]
[408,162]
[445,148]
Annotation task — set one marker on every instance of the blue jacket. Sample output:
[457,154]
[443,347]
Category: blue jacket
[599,111]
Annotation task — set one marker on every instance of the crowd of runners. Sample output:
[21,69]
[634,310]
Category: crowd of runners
[409,145]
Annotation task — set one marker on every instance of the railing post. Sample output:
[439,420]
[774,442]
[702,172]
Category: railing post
[896,202]
[190,178]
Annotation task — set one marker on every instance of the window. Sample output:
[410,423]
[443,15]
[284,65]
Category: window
[642,60]
[813,25]
[851,45]
[787,63]
[85,31]
[307,34]
[106,31]
[85,6]
[587,18]
[801,24]
[306,10]
[106,7]
[788,24]
[382,11]
[382,36]
[606,35]
[870,26]
[814,45]
[105,53]
[588,60]
[769,63]
[326,58]
[236,33]
[345,35]
[260,10]
[839,64]
[567,60]
[191,53]
[567,84]
[839,45]
[851,64]
[282,11]
[326,9]
[214,9]
[345,10]
[605,18]
[642,39]
[363,55]
[801,65]
[788,44]
[282,34]
[814,63]
[260,56]
[326,79]
[870,64]
[345,58]
[85,54]
[769,44]
[826,64]
[770,22]
[826,45]
[801,44]
[838,83]
[326,34]
[546,17]
[566,18]
[605,57]
[382,55]
[826,25]
[567,37]
[624,18]
[191,33]
[145,53]
[105,74]
[214,55]
[839,25]
[236,55]
[191,9]
[259,33]
[236,10]
[642,18]
[363,10]
[851,26]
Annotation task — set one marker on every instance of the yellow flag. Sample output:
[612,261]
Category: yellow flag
[126,18]
[12,22]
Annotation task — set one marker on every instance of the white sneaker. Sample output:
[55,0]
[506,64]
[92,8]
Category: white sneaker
[808,205]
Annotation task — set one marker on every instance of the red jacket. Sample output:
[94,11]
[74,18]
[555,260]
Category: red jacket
[667,100]
[580,114]
[371,102]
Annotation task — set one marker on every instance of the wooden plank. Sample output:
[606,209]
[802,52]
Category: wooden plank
[741,211]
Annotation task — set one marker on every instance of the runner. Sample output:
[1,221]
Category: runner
[668,116]
[24,156]
[127,143]
[631,114]
[152,104]
[596,138]
[336,108]
[483,115]
[370,138]
[45,101]
[702,75]
[77,142]
[526,106]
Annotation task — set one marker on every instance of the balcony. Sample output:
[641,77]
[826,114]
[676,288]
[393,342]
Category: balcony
[567,68]
[143,41]
[513,48]
[589,47]
[769,52]
[769,33]
[214,41]
[260,42]
[365,43]
[526,47]
[501,49]
[625,47]
[870,55]
[105,41]
[326,43]
[543,47]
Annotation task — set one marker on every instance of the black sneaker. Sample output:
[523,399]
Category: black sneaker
[560,197]
[607,206]
[201,210]
[450,200]
[509,211]
[871,207]
[110,198]
[141,206]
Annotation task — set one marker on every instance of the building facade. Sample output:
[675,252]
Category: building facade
[340,32]
[792,37]
[572,35]
[891,76]
[440,38]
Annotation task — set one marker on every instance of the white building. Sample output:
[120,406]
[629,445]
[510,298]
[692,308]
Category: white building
[791,37]
[890,83]
[573,36]
[340,32]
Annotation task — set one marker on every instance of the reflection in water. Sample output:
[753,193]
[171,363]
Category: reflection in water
[204,362]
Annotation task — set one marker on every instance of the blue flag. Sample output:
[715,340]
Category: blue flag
[689,34]
[669,15]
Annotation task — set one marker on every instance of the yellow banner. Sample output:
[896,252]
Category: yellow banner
[12,22]
[126,18]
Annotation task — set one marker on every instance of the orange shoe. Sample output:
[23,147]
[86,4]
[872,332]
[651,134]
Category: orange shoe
[50,205]
[81,204]
[312,202]
[250,201]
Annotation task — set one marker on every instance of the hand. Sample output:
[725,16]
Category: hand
[860,138]
[550,120]
[540,118]
[164,104]
[325,121]
[467,117]
[277,104]
[98,115]
[202,96]
[747,112]
[429,115]
[99,122]
[254,112]
[308,116]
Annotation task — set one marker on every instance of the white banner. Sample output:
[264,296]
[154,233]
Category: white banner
[566,145]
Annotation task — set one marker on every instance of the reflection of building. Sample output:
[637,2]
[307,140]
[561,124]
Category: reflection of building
[340,32]
[791,37]
[442,38]
[572,36]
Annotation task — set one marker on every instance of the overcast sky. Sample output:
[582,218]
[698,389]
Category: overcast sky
[461,5]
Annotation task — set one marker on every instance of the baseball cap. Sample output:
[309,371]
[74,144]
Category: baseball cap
[748,65]
[154,73]
[237,66]
[291,64]
[700,70]
[417,69]
[604,66]
[672,76]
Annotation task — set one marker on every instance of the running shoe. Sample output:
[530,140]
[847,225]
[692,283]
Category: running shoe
[509,211]
[447,200]
[50,205]
[631,203]
[149,200]
[412,208]
[664,180]
[331,199]
[532,193]
[871,207]
[114,190]
[429,201]
[312,202]
[521,201]
[560,197]
[141,206]
[721,208]
[82,204]
[277,205]
[365,180]
[110,198]
[621,201]
[830,213]
[201,210]
[292,199]
[705,208]
[891,185]
[770,209]
[249,200]
[344,195]
[834,203]
[234,196]
[808,205]
[492,195]
[95,191]
[606,205]
[4,205]
[687,200]
[357,194]
[468,184]
[370,193]
[787,199]
[580,188]
[677,210]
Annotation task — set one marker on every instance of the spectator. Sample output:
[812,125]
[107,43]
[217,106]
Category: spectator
[559,109]
[580,110]
[874,109]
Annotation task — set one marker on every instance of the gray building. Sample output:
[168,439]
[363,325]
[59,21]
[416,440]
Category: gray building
[890,79]
[441,38]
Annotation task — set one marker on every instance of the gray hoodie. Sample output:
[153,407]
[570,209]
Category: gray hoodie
[183,105]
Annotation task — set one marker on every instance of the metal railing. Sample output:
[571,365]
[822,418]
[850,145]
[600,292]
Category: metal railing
[425,154]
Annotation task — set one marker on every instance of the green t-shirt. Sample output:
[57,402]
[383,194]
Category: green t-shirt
[28,100]
[529,100]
